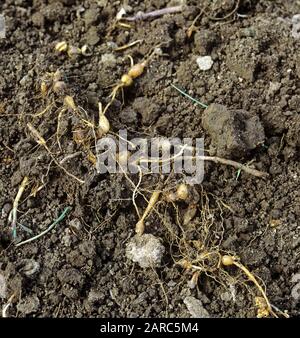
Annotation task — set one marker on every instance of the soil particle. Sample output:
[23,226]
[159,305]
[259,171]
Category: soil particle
[204,41]
[242,58]
[298,67]
[6,210]
[28,267]
[2,286]
[92,36]
[70,276]
[108,60]
[162,123]
[273,89]
[147,109]
[29,305]
[253,259]
[129,116]
[195,307]
[70,291]
[234,132]
[91,15]
[293,133]
[67,237]
[296,26]
[14,280]
[87,249]
[94,299]
[295,292]
[76,260]
[75,225]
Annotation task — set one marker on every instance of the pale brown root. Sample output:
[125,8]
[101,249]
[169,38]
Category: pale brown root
[234,164]
[70,157]
[135,191]
[43,111]
[123,25]
[13,214]
[135,187]
[192,26]
[214,159]
[131,60]
[128,45]
[7,305]
[58,127]
[40,140]
[259,287]
[163,290]
[154,14]
[140,226]
[113,96]
[226,16]
[230,260]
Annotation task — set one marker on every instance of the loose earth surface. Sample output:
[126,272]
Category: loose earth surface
[80,268]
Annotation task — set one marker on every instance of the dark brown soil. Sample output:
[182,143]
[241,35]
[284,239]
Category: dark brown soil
[80,268]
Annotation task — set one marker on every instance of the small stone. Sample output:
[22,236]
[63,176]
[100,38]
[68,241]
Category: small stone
[273,89]
[296,26]
[90,16]
[248,32]
[38,19]
[108,60]
[2,27]
[95,296]
[6,210]
[205,40]
[204,62]
[172,284]
[66,239]
[146,250]
[28,305]
[295,292]
[28,267]
[92,37]
[102,3]
[121,13]
[226,296]
[24,80]
[75,225]
[195,307]
[2,286]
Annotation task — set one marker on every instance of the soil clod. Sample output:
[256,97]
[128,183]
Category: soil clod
[233,132]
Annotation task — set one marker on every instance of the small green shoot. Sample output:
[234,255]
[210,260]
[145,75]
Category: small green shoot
[238,173]
[190,97]
[59,219]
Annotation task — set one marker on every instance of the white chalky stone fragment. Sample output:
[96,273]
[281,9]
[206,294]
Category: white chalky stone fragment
[195,307]
[146,250]
[2,286]
[296,26]
[2,27]
[204,62]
